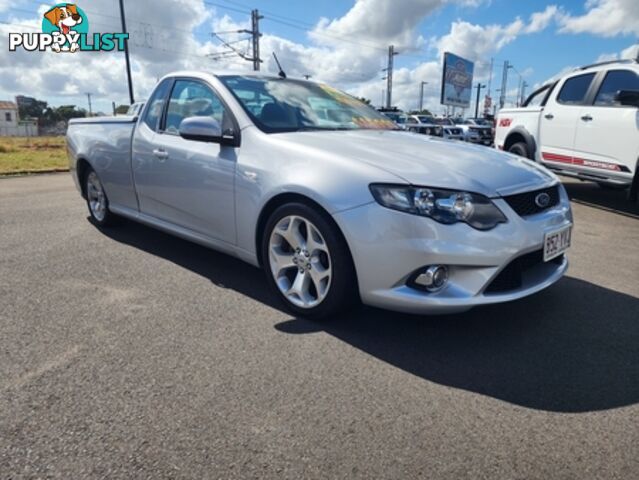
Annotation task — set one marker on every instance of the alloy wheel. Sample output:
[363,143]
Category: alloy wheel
[300,261]
[96,197]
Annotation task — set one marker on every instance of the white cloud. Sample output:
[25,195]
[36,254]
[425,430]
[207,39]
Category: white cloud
[477,42]
[631,52]
[379,22]
[627,53]
[540,20]
[606,18]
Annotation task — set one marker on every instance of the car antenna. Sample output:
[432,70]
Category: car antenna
[282,73]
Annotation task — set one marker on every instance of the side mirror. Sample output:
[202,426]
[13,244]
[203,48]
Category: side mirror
[205,129]
[629,98]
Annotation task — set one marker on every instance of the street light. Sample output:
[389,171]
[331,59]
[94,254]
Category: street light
[421,96]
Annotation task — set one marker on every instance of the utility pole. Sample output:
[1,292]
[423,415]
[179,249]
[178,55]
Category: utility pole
[479,87]
[421,96]
[490,77]
[504,81]
[255,33]
[90,108]
[126,54]
[254,38]
[389,76]
[522,95]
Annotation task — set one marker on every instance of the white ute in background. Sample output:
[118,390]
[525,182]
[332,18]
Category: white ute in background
[584,125]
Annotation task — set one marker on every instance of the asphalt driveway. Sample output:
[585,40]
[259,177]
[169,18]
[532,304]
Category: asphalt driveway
[127,353]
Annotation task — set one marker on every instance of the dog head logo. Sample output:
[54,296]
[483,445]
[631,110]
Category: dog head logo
[68,20]
[65,28]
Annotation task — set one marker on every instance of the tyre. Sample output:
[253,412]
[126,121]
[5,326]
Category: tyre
[519,148]
[97,201]
[307,262]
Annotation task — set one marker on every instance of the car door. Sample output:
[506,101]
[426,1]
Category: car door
[190,183]
[558,123]
[607,132]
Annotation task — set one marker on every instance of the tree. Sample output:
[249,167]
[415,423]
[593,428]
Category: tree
[121,109]
[32,109]
[365,100]
[53,115]
[422,112]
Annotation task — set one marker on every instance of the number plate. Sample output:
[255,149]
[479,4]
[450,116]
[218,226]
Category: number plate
[557,242]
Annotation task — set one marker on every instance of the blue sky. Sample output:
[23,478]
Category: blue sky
[347,48]
[543,54]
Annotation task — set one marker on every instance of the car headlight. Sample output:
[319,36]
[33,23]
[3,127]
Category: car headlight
[443,206]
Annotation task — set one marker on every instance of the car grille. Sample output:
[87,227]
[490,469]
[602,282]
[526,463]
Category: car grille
[510,278]
[524,203]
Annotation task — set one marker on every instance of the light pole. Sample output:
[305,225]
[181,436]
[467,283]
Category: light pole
[421,96]
[126,54]
[479,87]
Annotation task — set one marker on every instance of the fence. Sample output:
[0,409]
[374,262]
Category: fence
[23,129]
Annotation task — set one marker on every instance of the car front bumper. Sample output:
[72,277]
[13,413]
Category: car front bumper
[388,247]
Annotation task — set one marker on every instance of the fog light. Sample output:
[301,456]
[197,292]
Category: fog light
[433,279]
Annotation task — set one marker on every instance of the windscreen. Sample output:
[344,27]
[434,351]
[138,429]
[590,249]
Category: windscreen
[285,105]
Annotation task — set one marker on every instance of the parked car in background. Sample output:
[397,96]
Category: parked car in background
[424,124]
[396,116]
[450,130]
[475,132]
[585,125]
[487,126]
[333,211]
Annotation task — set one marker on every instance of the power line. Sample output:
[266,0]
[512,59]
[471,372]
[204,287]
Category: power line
[254,40]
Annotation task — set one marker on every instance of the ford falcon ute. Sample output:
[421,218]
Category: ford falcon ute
[331,199]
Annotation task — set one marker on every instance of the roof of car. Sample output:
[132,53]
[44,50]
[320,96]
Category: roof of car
[609,62]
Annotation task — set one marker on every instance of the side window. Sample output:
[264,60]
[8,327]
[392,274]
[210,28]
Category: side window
[575,89]
[191,98]
[411,120]
[156,103]
[615,80]
[536,99]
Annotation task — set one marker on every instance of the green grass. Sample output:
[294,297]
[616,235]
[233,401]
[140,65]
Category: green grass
[32,155]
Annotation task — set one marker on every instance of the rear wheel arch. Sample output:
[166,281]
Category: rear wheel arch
[83,167]
[520,135]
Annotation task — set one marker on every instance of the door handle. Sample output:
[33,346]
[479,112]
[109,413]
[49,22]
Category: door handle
[161,154]
[549,116]
[586,118]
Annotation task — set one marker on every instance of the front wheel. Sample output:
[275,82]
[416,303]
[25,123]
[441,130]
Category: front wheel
[307,261]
